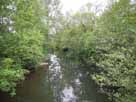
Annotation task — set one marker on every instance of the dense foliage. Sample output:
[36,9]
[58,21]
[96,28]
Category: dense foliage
[107,42]
[104,41]
[23,34]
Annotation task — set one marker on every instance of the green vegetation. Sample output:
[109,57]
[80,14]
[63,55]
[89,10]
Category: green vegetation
[23,37]
[103,41]
[107,42]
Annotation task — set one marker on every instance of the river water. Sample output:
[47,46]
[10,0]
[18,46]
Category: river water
[63,81]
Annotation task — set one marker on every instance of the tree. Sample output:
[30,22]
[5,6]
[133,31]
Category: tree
[107,42]
[23,33]
[115,52]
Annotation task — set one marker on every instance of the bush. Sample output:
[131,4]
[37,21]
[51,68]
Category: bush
[10,74]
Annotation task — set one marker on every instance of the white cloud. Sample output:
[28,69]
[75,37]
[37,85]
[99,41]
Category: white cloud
[75,5]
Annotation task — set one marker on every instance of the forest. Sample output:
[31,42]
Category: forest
[104,42]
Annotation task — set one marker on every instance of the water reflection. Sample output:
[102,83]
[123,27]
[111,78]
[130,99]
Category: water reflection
[65,81]
[70,84]
[55,72]
[68,94]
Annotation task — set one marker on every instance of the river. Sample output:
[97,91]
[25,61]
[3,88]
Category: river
[63,81]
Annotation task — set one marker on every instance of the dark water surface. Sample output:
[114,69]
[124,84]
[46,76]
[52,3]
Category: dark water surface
[64,81]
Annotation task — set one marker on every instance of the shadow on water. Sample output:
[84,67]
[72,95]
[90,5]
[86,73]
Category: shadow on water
[35,88]
[65,81]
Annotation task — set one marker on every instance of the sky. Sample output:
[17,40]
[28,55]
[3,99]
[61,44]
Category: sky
[75,5]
